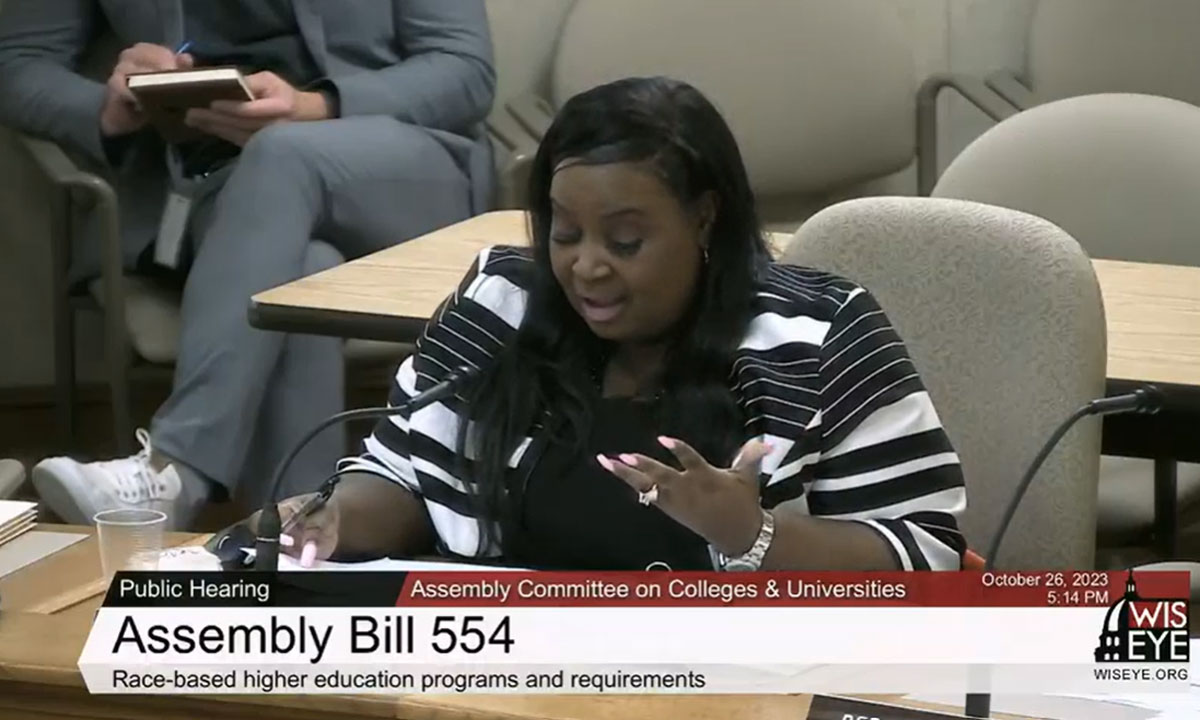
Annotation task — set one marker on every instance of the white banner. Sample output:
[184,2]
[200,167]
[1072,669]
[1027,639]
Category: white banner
[599,649]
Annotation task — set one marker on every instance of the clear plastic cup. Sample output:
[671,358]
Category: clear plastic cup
[130,539]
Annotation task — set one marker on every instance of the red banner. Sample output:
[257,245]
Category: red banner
[1054,588]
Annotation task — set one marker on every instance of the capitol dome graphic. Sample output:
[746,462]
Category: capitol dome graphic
[1114,638]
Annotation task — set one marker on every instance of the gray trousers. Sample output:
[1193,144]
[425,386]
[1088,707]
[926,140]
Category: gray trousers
[241,396]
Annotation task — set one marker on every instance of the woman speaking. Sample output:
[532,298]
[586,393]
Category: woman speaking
[654,391]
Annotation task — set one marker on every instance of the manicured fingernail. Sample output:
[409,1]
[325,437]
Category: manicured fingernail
[630,460]
[287,540]
[604,463]
[666,442]
[308,555]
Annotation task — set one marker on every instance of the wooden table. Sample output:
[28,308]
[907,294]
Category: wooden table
[387,295]
[1153,311]
[39,678]
[1153,317]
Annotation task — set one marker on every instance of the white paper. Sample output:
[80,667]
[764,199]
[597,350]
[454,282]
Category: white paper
[1050,707]
[289,563]
[33,546]
[11,510]
[17,517]
[1157,707]
[192,558]
[1129,706]
[196,558]
[16,529]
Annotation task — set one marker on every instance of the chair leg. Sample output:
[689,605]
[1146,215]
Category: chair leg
[1166,515]
[117,349]
[118,380]
[119,359]
[65,400]
[64,324]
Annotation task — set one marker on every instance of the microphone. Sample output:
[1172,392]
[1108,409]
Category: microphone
[269,526]
[1146,400]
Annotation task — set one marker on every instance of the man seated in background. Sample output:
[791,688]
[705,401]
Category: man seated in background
[365,131]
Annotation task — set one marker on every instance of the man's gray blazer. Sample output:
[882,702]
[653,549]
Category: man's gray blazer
[424,62]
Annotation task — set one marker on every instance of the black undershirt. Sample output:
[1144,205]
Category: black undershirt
[578,516]
[255,35]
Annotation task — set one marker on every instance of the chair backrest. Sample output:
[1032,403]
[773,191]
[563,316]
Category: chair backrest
[819,94]
[1002,314]
[1120,173]
[524,35]
[12,475]
[1081,47]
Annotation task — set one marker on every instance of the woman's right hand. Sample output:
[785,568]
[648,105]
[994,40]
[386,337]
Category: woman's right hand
[382,519]
[313,537]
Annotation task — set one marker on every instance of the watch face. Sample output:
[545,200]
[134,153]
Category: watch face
[739,565]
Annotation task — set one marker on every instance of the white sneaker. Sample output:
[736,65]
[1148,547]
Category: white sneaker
[77,491]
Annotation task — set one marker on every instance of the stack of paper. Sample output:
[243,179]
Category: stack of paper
[197,558]
[16,518]
[288,563]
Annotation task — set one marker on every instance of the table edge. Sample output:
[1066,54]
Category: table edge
[392,328]
[345,324]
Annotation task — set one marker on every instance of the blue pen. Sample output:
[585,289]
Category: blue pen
[184,47]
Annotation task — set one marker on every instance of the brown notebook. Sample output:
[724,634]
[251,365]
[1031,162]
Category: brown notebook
[167,96]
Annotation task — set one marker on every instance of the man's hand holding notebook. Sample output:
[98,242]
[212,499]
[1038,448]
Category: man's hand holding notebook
[166,96]
[275,100]
[151,83]
[121,114]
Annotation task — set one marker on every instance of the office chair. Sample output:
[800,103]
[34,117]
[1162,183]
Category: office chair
[1002,315]
[808,137]
[1121,174]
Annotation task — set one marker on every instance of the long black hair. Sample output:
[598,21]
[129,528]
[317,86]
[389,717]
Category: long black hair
[546,378]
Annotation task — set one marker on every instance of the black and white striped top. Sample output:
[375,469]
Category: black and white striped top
[820,374]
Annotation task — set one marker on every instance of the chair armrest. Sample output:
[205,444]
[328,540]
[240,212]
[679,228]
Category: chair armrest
[60,170]
[55,165]
[974,91]
[508,134]
[514,160]
[533,113]
[1005,84]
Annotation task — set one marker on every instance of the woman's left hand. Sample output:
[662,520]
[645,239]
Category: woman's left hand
[720,504]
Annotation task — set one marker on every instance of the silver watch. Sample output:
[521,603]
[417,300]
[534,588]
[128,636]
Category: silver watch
[751,559]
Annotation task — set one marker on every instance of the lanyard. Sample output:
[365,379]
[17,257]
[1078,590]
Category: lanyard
[181,191]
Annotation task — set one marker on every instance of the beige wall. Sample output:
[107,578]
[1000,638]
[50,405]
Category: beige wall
[962,35]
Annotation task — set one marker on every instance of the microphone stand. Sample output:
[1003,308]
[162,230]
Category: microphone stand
[269,525]
[1147,400]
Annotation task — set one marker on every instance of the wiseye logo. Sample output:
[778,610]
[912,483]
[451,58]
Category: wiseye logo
[1138,629]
